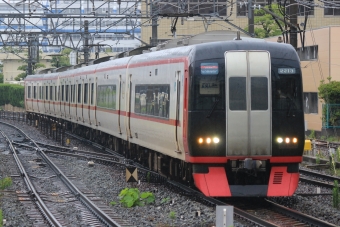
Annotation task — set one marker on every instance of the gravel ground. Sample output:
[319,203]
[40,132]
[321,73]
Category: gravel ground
[107,182]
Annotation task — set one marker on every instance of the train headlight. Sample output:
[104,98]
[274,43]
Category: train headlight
[287,140]
[208,140]
[279,140]
[200,140]
[295,140]
[216,140]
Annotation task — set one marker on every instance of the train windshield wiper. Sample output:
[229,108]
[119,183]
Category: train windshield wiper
[213,108]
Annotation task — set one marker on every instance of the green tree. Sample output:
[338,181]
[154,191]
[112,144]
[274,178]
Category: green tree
[1,78]
[330,93]
[24,68]
[265,25]
[62,60]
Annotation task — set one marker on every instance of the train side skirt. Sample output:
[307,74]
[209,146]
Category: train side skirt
[282,183]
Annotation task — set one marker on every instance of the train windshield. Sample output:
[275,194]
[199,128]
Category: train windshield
[209,85]
[286,93]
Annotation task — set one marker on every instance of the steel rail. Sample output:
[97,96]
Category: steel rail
[51,219]
[80,196]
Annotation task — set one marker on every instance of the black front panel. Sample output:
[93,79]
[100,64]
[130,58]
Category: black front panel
[207,108]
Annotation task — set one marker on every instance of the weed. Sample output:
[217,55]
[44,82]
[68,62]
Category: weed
[113,203]
[5,183]
[172,216]
[312,134]
[336,194]
[130,197]
[317,160]
[1,219]
[165,200]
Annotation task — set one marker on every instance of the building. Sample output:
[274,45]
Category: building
[213,14]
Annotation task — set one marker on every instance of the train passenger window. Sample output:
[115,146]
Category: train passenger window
[237,93]
[106,96]
[35,92]
[66,91]
[62,92]
[92,92]
[86,91]
[51,93]
[79,93]
[259,93]
[55,93]
[46,92]
[29,88]
[153,100]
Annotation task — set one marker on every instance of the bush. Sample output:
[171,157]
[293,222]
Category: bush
[130,197]
[12,94]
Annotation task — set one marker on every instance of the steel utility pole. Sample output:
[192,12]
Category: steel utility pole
[250,17]
[86,42]
[293,11]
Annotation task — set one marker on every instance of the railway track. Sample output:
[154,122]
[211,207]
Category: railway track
[317,178]
[109,157]
[87,208]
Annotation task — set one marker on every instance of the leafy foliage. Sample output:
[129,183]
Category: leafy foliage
[5,183]
[1,78]
[1,219]
[330,93]
[265,25]
[130,197]
[336,194]
[63,60]
[24,68]
[12,94]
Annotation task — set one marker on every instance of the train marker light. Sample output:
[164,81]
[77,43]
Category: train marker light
[279,140]
[200,140]
[216,140]
[208,140]
[294,140]
[287,140]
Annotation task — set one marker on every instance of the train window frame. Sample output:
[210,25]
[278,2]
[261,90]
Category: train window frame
[92,93]
[79,93]
[29,91]
[34,92]
[237,100]
[46,92]
[86,91]
[51,93]
[100,96]
[66,92]
[157,106]
[62,93]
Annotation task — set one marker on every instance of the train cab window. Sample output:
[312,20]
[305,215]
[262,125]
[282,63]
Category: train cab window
[259,93]
[106,96]
[29,90]
[237,93]
[51,93]
[86,92]
[35,92]
[66,92]
[152,100]
[62,93]
[92,93]
[79,93]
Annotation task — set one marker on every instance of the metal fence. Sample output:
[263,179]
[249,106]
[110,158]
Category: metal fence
[330,116]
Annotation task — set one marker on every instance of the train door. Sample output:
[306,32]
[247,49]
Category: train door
[92,109]
[178,131]
[248,103]
[128,104]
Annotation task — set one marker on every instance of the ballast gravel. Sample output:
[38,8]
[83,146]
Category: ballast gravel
[169,209]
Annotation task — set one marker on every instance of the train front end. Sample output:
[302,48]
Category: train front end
[246,120]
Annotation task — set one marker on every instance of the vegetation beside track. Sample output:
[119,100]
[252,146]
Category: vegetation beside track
[12,94]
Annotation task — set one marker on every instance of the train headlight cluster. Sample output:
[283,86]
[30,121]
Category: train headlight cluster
[287,140]
[208,140]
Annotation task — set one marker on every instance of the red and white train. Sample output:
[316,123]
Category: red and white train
[226,116]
